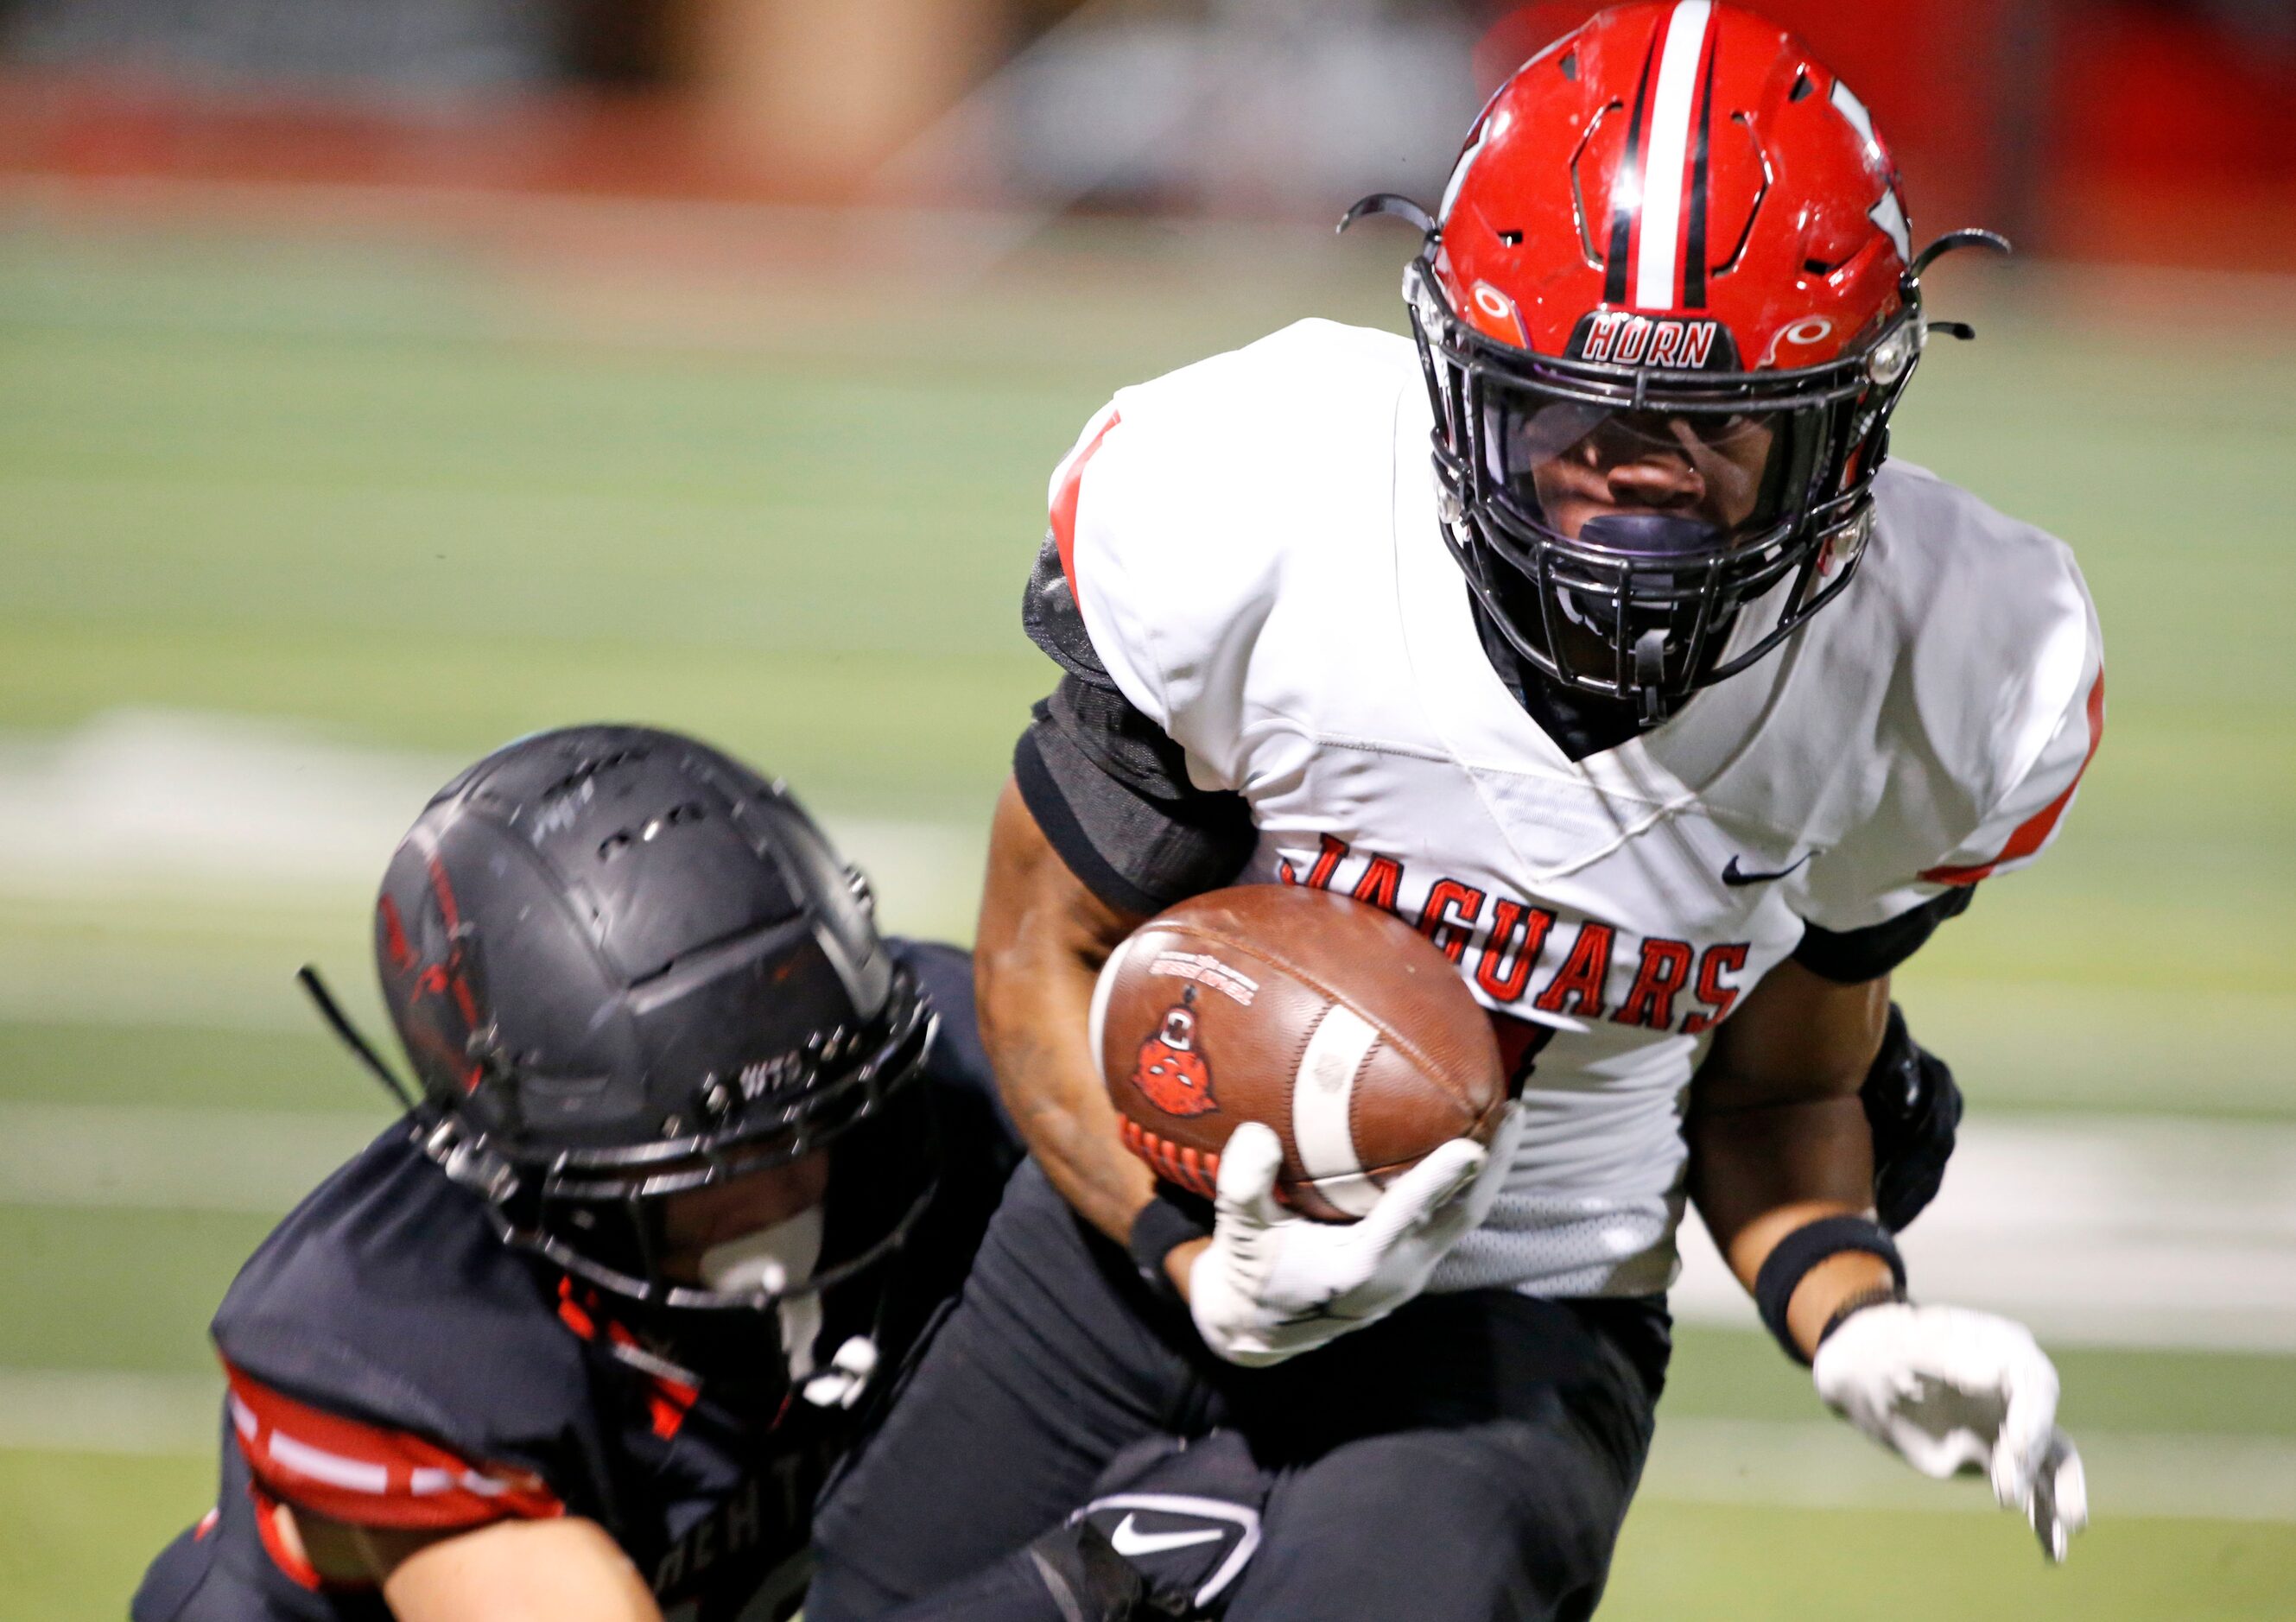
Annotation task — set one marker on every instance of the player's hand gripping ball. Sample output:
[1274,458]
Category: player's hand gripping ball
[1332,1022]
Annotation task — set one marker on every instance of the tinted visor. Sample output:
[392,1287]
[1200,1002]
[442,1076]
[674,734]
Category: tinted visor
[1719,475]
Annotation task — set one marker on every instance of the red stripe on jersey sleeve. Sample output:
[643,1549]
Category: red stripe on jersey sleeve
[2034,831]
[1067,483]
[370,1475]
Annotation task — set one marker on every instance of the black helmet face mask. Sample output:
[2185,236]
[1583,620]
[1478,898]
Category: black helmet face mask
[1618,522]
[600,1213]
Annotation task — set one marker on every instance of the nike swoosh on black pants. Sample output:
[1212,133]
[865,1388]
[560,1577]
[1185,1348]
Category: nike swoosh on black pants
[1471,1456]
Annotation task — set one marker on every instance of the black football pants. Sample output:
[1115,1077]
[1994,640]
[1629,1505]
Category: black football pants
[1471,1456]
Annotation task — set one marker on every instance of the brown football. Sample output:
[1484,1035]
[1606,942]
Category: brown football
[1326,1018]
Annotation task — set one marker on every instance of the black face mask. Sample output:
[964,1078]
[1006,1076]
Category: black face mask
[1580,724]
[1758,486]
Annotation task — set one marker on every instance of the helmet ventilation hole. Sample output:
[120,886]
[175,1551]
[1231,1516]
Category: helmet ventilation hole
[1801,87]
[1569,66]
[590,765]
[613,845]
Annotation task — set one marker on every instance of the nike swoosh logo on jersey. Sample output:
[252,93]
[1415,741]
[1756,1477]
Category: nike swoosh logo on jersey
[1129,1540]
[1737,878]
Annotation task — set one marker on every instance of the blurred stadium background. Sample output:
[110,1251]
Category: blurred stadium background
[381,379]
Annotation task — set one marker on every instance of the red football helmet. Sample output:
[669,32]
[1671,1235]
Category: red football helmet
[1665,309]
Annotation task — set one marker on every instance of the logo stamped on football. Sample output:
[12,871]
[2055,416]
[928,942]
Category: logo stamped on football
[1335,1024]
[1176,1079]
[1206,969]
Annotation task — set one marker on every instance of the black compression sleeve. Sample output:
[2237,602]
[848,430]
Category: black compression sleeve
[1107,785]
[1040,791]
[1847,956]
[1137,854]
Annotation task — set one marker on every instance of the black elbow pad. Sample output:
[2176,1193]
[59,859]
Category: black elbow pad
[1914,1109]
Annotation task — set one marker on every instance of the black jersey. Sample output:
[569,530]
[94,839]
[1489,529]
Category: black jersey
[393,1364]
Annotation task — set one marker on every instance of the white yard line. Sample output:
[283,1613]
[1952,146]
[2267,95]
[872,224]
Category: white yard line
[153,801]
[2112,1230]
[2103,1231]
[1801,1463]
[163,866]
[1823,1464]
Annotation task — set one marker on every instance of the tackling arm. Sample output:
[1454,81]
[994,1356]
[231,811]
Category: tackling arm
[560,1570]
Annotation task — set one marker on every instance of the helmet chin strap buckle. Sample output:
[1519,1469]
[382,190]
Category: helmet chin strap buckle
[1650,669]
[470,1163]
[846,1377]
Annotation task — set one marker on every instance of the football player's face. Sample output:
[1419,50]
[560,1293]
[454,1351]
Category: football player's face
[1700,467]
[694,1221]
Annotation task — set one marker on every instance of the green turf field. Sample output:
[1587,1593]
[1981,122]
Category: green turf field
[419,500]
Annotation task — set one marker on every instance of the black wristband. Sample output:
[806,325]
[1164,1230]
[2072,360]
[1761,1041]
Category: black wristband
[1791,1259]
[1163,1227]
[1879,1295]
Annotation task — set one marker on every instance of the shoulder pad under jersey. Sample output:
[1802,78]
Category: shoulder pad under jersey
[1187,500]
[1990,710]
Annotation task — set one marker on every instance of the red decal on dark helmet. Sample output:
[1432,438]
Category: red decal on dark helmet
[394,935]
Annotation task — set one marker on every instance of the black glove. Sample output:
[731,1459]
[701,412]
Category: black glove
[1169,1527]
[1914,1109]
[1185,1516]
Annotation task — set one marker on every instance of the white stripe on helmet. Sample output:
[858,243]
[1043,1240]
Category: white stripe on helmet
[1665,162]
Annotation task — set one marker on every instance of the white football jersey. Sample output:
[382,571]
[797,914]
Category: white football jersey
[1254,545]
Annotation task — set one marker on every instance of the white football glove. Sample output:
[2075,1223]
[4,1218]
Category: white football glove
[1273,1283]
[1951,1389]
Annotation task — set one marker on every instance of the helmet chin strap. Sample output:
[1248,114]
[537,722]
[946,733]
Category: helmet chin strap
[1650,669]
